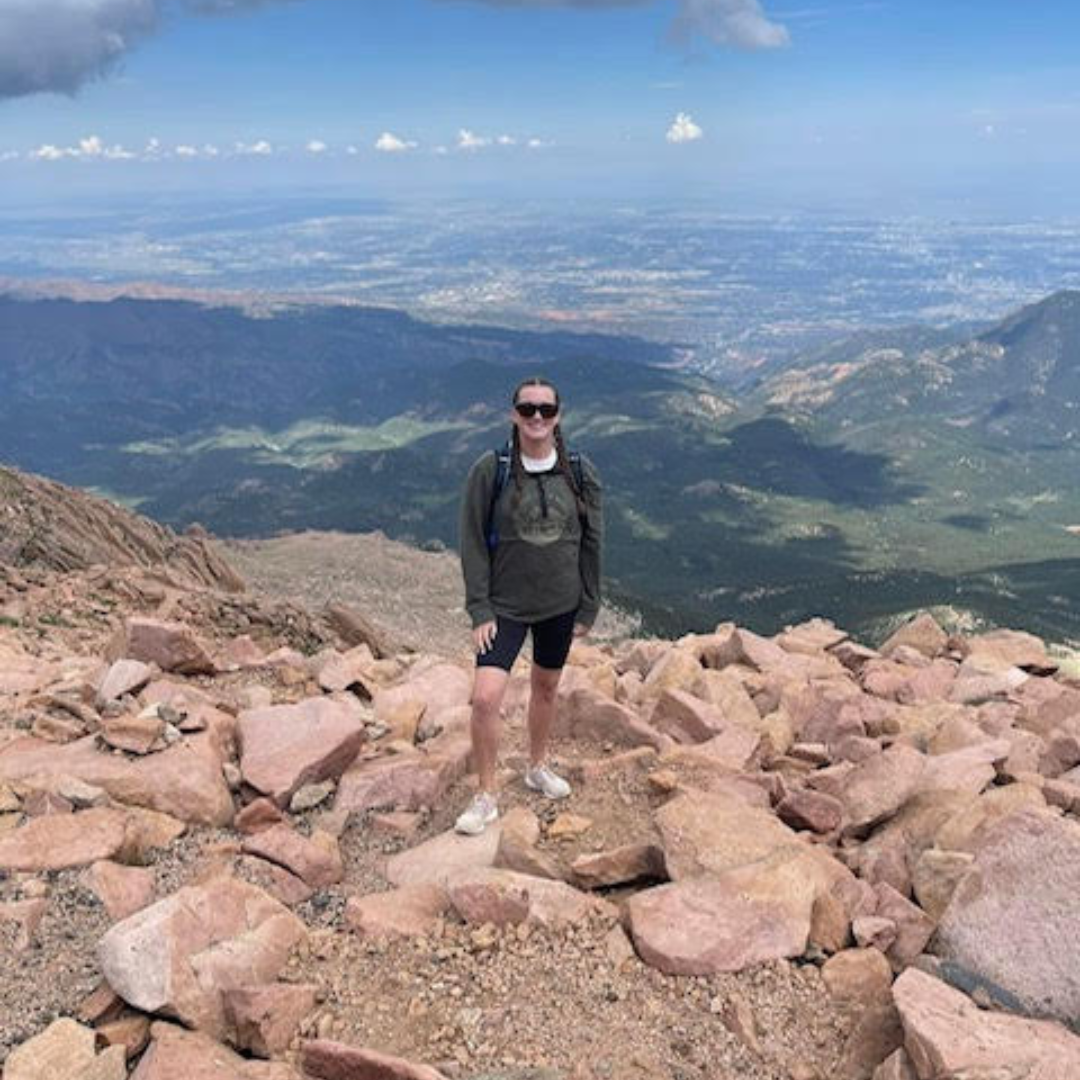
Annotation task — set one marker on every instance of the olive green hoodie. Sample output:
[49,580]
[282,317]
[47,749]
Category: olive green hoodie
[547,560]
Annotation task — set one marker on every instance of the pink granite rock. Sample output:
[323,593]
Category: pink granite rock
[686,718]
[266,1019]
[878,787]
[402,781]
[284,747]
[814,810]
[176,1054]
[180,954]
[947,1035]
[171,646]
[437,859]
[411,911]
[618,866]
[1012,918]
[184,781]
[591,715]
[60,841]
[123,677]
[315,860]
[325,1060]
[122,889]
[705,926]
[504,897]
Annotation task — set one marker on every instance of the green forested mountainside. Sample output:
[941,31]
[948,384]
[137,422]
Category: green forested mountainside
[883,474]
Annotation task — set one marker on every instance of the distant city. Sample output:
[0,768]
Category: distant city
[736,295]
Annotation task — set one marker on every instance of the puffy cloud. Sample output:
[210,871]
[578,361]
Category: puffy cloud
[389,143]
[87,148]
[316,146]
[683,129]
[468,140]
[741,24]
[256,149]
[506,140]
[57,45]
[48,152]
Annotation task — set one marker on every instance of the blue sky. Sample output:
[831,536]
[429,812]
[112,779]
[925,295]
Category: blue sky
[898,104]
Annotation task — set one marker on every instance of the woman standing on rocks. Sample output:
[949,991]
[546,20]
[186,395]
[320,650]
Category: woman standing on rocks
[531,529]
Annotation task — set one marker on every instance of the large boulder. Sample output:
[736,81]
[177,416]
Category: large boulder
[59,841]
[490,895]
[178,956]
[403,781]
[1012,917]
[176,1054]
[171,646]
[65,1050]
[705,926]
[442,856]
[947,1035]
[284,747]
[879,786]
[185,781]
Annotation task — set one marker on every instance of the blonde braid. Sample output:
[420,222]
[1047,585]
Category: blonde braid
[567,470]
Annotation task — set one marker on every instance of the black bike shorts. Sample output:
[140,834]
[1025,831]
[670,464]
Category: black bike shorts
[552,639]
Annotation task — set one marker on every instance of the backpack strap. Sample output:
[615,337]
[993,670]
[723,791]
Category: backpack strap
[502,474]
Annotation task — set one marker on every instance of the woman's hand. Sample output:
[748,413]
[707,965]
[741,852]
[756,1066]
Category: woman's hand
[580,629]
[484,636]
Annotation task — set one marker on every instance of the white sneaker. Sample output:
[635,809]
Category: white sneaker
[478,815]
[542,779]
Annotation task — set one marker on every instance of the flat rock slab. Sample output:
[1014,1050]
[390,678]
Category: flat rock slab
[326,1060]
[504,897]
[1013,917]
[184,781]
[122,889]
[878,787]
[706,926]
[60,841]
[439,858]
[315,860]
[180,954]
[65,1051]
[176,1054]
[403,781]
[284,747]
[411,911]
[947,1034]
[171,646]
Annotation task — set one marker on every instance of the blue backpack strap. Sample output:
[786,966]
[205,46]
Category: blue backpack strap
[502,474]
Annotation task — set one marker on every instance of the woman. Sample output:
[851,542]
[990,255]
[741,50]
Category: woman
[530,553]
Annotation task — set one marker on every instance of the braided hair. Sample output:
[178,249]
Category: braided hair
[562,463]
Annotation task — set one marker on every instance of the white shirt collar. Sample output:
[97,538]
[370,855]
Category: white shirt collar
[544,464]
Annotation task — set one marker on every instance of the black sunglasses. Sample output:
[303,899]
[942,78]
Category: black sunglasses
[528,409]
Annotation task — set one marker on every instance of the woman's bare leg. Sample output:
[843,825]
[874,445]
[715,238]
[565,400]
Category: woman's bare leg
[489,687]
[543,685]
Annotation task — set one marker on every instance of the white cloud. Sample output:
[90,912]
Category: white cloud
[741,24]
[316,146]
[506,140]
[186,151]
[389,143]
[536,144]
[256,149]
[683,129]
[468,140]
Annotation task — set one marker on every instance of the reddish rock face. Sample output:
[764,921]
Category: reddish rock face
[316,861]
[405,781]
[122,889]
[618,866]
[60,841]
[266,1019]
[504,897]
[706,926]
[180,954]
[171,646]
[946,1034]
[184,781]
[326,1060]
[1012,917]
[879,786]
[411,911]
[176,1054]
[64,1051]
[812,810]
[437,859]
[283,747]
[591,715]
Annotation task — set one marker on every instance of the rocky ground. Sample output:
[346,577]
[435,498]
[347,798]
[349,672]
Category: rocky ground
[226,848]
